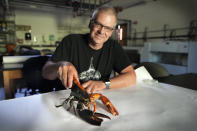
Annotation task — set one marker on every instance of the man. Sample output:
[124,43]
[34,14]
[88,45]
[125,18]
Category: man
[91,57]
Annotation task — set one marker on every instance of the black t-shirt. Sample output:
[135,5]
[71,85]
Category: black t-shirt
[91,64]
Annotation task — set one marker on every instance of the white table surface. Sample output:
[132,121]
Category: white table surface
[141,108]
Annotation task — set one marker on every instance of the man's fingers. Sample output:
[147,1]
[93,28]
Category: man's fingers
[70,79]
[88,89]
[92,89]
[59,73]
[76,76]
[66,72]
[93,86]
[64,77]
[86,84]
[89,86]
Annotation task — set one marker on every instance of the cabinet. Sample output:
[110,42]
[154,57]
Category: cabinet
[177,57]
[7,31]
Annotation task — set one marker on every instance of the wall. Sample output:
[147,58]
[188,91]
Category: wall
[194,9]
[49,21]
[153,15]
[60,21]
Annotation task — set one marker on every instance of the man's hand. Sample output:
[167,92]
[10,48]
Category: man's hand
[66,72]
[92,86]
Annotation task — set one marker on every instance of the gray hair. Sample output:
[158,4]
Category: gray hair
[104,9]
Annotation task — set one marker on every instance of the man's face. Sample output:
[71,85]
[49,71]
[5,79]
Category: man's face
[102,28]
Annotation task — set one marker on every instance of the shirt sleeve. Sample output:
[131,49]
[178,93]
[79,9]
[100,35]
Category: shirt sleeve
[62,51]
[121,60]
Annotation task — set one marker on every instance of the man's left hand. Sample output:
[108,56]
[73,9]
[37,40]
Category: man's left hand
[91,86]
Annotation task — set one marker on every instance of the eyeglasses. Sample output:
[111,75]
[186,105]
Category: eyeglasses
[100,26]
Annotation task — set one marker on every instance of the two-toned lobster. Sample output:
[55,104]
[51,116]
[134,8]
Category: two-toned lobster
[85,102]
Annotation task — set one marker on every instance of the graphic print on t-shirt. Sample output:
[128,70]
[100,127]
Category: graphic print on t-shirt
[90,74]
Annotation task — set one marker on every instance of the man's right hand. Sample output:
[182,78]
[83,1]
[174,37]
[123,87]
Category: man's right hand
[66,72]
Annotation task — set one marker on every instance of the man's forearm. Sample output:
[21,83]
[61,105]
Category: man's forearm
[49,71]
[124,79]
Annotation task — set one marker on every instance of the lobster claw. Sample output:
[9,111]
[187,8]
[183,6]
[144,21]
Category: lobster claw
[106,102]
[92,118]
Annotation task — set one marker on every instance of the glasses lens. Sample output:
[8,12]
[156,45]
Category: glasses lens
[99,25]
[109,28]
[96,24]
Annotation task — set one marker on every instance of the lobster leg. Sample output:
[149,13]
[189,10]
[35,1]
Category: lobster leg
[72,106]
[65,102]
[92,99]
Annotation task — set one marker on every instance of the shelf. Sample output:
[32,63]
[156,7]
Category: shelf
[8,21]
[7,29]
[42,45]
[7,32]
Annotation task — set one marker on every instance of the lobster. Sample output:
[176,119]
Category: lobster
[84,103]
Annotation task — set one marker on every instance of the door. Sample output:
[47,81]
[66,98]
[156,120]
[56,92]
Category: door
[123,42]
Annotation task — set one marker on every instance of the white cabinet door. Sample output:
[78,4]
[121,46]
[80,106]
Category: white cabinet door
[170,46]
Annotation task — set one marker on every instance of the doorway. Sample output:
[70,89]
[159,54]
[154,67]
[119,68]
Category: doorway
[123,42]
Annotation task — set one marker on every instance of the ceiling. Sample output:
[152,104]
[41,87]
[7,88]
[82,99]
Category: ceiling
[82,6]
[86,4]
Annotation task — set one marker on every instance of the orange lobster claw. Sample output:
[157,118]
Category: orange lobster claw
[105,101]
[94,96]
